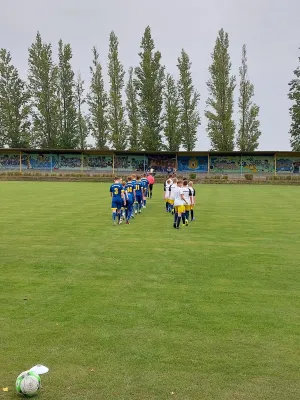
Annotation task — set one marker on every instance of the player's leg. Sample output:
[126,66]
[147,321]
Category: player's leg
[145,198]
[192,214]
[114,212]
[151,188]
[180,211]
[175,216]
[119,207]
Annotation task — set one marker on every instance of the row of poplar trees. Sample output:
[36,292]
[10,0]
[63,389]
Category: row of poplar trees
[151,110]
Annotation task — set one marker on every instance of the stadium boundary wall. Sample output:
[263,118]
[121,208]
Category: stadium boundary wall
[233,163]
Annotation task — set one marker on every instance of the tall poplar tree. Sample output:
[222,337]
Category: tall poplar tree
[116,115]
[294,96]
[133,113]
[249,133]
[171,117]
[221,85]
[149,85]
[14,105]
[68,124]
[97,103]
[82,124]
[189,99]
[43,79]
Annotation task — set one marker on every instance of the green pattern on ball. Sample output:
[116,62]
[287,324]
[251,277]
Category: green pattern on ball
[20,383]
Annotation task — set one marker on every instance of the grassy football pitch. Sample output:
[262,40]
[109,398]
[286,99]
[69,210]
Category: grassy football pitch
[144,311]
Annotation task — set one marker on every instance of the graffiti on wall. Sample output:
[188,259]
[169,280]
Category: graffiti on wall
[161,163]
[288,164]
[193,164]
[225,164]
[43,161]
[98,162]
[70,161]
[130,163]
[250,164]
[12,161]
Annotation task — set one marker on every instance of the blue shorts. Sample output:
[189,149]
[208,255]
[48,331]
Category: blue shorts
[130,201]
[139,198]
[117,203]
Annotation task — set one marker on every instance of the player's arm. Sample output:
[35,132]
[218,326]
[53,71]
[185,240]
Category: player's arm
[183,198]
[111,191]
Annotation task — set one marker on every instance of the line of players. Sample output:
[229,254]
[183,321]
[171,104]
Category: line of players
[180,200]
[129,198]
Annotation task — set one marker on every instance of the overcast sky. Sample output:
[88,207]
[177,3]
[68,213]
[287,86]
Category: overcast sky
[269,28]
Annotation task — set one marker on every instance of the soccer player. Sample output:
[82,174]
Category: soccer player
[145,183]
[135,208]
[187,193]
[193,200]
[172,189]
[179,202]
[130,191]
[117,199]
[166,194]
[139,193]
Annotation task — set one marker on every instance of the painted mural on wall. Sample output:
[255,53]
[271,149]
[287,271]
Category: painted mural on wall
[70,161]
[95,162]
[258,164]
[250,164]
[225,164]
[43,161]
[193,164]
[288,165]
[12,161]
[131,163]
[161,163]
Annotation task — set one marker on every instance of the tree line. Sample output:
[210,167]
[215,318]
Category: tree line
[151,110]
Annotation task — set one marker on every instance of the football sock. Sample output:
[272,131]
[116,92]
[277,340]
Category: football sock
[175,218]
[178,221]
[114,216]
[192,214]
[187,214]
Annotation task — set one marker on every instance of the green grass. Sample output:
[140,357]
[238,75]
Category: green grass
[145,311]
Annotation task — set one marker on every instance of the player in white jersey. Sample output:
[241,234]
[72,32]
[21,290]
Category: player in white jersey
[179,204]
[166,194]
[193,200]
[187,193]
[172,189]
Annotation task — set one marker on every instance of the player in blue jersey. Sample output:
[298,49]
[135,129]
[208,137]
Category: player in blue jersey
[117,199]
[139,190]
[145,183]
[135,206]
[130,196]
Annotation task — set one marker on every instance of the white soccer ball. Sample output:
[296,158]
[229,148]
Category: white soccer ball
[28,383]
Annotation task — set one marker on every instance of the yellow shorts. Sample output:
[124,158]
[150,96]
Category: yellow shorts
[187,207]
[170,201]
[179,209]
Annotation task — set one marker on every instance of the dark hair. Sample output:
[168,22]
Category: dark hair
[185,183]
[138,178]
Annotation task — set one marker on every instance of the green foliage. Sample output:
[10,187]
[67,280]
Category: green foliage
[68,137]
[189,99]
[116,115]
[14,105]
[133,112]
[97,102]
[81,117]
[294,96]
[43,79]
[149,85]
[249,133]
[221,85]
[193,176]
[249,177]
[171,117]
